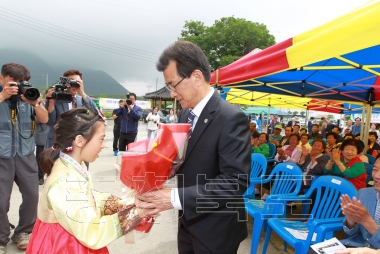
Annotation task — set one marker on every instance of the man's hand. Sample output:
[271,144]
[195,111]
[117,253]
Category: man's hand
[50,92]
[305,151]
[81,87]
[281,151]
[8,91]
[354,211]
[154,202]
[29,101]
[275,142]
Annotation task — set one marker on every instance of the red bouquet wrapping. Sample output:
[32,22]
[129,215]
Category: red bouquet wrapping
[149,163]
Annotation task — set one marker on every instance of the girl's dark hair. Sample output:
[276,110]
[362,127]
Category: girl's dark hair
[70,124]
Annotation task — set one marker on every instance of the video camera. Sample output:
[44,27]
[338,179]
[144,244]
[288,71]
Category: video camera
[60,93]
[27,89]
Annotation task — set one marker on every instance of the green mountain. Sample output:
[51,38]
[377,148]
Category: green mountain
[96,82]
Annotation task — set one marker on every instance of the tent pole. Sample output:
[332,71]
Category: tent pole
[365,127]
[175,106]
[266,126]
[364,111]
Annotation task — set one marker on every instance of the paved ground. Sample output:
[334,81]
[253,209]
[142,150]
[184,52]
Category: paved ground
[162,238]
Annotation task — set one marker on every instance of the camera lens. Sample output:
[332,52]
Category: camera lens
[73,83]
[31,93]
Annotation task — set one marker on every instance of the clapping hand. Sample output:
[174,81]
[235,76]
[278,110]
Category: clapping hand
[335,154]
[281,151]
[304,151]
[354,210]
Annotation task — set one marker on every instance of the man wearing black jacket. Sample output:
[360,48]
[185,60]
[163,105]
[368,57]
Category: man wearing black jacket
[116,128]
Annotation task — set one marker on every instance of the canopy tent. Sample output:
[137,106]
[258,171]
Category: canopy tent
[240,96]
[339,60]
[336,61]
[337,107]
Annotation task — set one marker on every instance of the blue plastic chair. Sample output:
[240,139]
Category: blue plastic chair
[371,159]
[287,179]
[368,169]
[324,217]
[258,168]
[272,152]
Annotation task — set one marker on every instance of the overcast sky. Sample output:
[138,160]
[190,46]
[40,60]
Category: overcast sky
[125,38]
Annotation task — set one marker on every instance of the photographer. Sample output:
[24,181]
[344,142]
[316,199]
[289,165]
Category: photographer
[131,114]
[55,108]
[17,160]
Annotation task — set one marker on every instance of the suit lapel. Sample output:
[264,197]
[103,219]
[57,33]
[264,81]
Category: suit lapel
[372,205]
[203,121]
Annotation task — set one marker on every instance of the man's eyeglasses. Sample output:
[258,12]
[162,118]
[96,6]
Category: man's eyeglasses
[172,88]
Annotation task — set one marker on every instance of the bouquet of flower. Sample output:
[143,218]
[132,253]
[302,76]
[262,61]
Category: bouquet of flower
[149,163]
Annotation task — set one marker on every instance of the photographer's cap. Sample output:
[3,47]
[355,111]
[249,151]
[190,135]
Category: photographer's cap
[278,126]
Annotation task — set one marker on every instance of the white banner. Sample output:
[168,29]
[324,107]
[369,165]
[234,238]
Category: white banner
[109,103]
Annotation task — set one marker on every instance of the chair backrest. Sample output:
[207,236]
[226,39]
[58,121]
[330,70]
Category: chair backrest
[371,159]
[368,169]
[287,179]
[258,168]
[328,190]
[272,150]
[258,165]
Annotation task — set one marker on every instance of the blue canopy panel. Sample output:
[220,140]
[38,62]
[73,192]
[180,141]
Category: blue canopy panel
[350,77]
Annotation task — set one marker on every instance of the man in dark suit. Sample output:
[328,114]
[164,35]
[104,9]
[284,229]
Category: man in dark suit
[292,122]
[211,219]
[310,125]
[56,108]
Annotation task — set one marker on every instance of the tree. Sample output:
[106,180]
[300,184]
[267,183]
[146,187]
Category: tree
[295,113]
[302,113]
[289,112]
[228,39]
[347,117]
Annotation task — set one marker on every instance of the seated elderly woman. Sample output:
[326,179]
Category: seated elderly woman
[289,153]
[360,155]
[345,162]
[313,163]
[363,215]
[332,142]
[259,145]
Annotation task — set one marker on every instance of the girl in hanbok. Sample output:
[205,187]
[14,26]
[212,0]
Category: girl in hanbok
[72,217]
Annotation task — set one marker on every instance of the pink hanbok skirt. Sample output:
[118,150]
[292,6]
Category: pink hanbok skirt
[53,238]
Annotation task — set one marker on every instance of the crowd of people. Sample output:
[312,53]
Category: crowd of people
[219,149]
[324,149]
